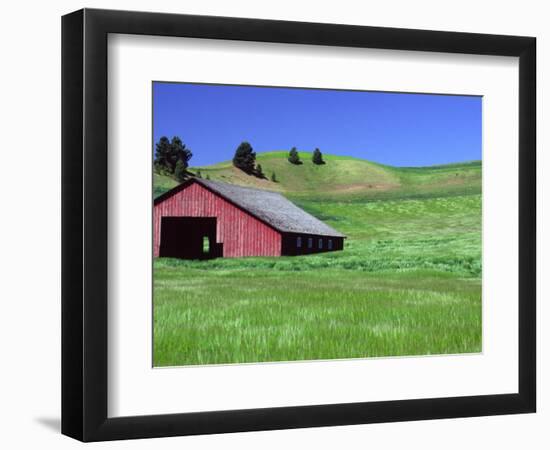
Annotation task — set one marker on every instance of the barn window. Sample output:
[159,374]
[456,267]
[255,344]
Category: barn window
[329,244]
[320,243]
[309,242]
[298,242]
[205,244]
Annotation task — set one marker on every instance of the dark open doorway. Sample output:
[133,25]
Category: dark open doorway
[189,238]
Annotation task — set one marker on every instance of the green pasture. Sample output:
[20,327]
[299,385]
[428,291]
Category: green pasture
[162,183]
[237,316]
[408,281]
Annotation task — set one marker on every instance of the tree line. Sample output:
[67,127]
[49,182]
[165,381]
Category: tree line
[172,158]
[316,157]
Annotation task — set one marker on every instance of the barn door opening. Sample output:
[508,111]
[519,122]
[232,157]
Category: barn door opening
[188,237]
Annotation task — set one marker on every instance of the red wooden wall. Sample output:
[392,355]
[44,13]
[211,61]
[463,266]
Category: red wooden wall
[241,233]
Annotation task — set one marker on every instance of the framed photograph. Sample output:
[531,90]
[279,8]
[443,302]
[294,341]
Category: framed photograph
[273,224]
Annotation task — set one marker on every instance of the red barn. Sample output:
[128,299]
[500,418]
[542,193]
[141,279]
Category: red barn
[201,219]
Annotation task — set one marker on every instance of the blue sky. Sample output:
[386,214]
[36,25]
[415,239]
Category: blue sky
[390,128]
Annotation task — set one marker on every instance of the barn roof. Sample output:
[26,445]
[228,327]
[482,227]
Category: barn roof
[268,206]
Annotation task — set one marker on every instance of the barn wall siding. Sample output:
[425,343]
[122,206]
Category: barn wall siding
[241,233]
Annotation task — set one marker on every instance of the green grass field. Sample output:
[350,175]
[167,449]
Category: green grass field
[407,283]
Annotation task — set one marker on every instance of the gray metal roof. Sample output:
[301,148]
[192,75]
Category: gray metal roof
[272,208]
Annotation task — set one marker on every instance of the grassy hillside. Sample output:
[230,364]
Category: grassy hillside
[345,178]
[162,183]
[408,281]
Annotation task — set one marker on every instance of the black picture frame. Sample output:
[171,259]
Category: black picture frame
[84,224]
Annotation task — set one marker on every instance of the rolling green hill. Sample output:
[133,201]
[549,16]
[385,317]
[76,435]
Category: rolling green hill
[408,281]
[344,178]
[162,183]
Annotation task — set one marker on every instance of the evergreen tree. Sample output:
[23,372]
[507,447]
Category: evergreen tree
[162,154]
[273,177]
[317,157]
[293,156]
[199,174]
[259,171]
[179,153]
[168,153]
[207,176]
[180,171]
[245,158]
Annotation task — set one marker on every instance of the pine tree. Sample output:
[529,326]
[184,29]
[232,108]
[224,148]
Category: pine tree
[273,177]
[259,171]
[198,174]
[245,158]
[168,153]
[294,157]
[317,157]
[179,153]
[162,154]
[180,171]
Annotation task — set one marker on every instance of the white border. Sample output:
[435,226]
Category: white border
[135,388]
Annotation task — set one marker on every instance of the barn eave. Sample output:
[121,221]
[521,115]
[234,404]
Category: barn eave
[317,227]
